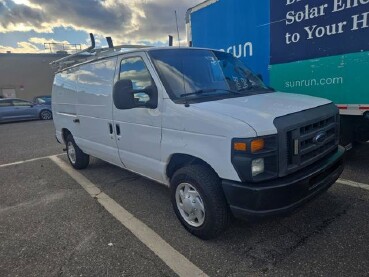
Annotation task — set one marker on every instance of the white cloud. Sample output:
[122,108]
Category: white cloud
[22,47]
[37,45]
[40,40]
[127,21]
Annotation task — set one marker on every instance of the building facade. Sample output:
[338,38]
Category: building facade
[26,76]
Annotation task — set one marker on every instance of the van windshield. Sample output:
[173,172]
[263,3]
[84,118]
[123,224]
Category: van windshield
[194,74]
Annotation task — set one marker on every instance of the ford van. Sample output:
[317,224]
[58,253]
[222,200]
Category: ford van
[203,124]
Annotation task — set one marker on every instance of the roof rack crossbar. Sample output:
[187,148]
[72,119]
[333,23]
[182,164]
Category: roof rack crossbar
[119,47]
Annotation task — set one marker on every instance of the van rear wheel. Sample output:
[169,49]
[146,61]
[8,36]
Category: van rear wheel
[76,157]
[199,202]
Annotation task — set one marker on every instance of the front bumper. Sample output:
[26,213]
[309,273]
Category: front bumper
[282,195]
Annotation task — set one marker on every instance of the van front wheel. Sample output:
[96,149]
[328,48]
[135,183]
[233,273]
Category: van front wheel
[199,202]
[76,157]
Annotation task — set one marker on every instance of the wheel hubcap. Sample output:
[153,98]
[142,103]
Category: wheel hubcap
[190,204]
[71,152]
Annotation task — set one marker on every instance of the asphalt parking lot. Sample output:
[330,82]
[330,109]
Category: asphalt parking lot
[50,225]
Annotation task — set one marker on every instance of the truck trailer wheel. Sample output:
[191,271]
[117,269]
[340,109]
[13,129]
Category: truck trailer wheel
[347,131]
[199,202]
[76,157]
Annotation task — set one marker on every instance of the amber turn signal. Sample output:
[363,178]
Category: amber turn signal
[239,146]
[257,145]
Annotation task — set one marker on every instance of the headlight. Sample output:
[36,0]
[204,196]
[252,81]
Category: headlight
[255,159]
[257,167]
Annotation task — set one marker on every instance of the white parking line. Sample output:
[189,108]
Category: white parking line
[175,260]
[353,184]
[27,161]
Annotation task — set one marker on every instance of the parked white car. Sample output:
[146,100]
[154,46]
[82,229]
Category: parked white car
[200,122]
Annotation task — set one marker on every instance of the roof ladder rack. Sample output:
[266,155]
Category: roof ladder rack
[67,58]
[94,53]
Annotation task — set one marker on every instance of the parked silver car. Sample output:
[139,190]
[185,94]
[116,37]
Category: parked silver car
[12,109]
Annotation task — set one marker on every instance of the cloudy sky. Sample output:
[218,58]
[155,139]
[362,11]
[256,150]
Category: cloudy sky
[25,25]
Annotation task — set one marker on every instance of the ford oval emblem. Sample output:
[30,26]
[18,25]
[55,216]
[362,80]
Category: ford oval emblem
[320,138]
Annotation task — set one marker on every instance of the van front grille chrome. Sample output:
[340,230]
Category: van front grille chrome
[305,138]
[312,142]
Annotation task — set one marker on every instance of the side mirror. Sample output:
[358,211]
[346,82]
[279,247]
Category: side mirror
[141,97]
[148,97]
[123,95]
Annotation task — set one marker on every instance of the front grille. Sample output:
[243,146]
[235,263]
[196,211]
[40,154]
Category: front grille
[317,125]
[296,133]
[303,146]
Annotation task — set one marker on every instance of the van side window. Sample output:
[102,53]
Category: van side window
[135,71]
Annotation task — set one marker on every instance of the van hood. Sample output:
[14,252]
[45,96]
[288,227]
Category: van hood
[259,111]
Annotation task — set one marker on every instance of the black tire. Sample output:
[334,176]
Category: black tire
[80,160]
[208,185]
[347,130]
[46,115]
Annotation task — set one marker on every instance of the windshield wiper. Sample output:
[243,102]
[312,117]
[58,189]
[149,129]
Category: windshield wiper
[254,88]
[203,91]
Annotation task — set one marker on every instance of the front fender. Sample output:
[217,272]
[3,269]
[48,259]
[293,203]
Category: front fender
[214,150]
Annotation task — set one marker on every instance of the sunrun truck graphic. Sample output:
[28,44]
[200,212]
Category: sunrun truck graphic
[319,48]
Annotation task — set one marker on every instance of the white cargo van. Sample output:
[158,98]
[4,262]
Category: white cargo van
[200,122]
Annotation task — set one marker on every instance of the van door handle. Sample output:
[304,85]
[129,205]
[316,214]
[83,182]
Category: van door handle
[76,120]
[111,131]
[117,128]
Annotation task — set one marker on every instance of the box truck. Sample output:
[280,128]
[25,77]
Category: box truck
[318,48]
